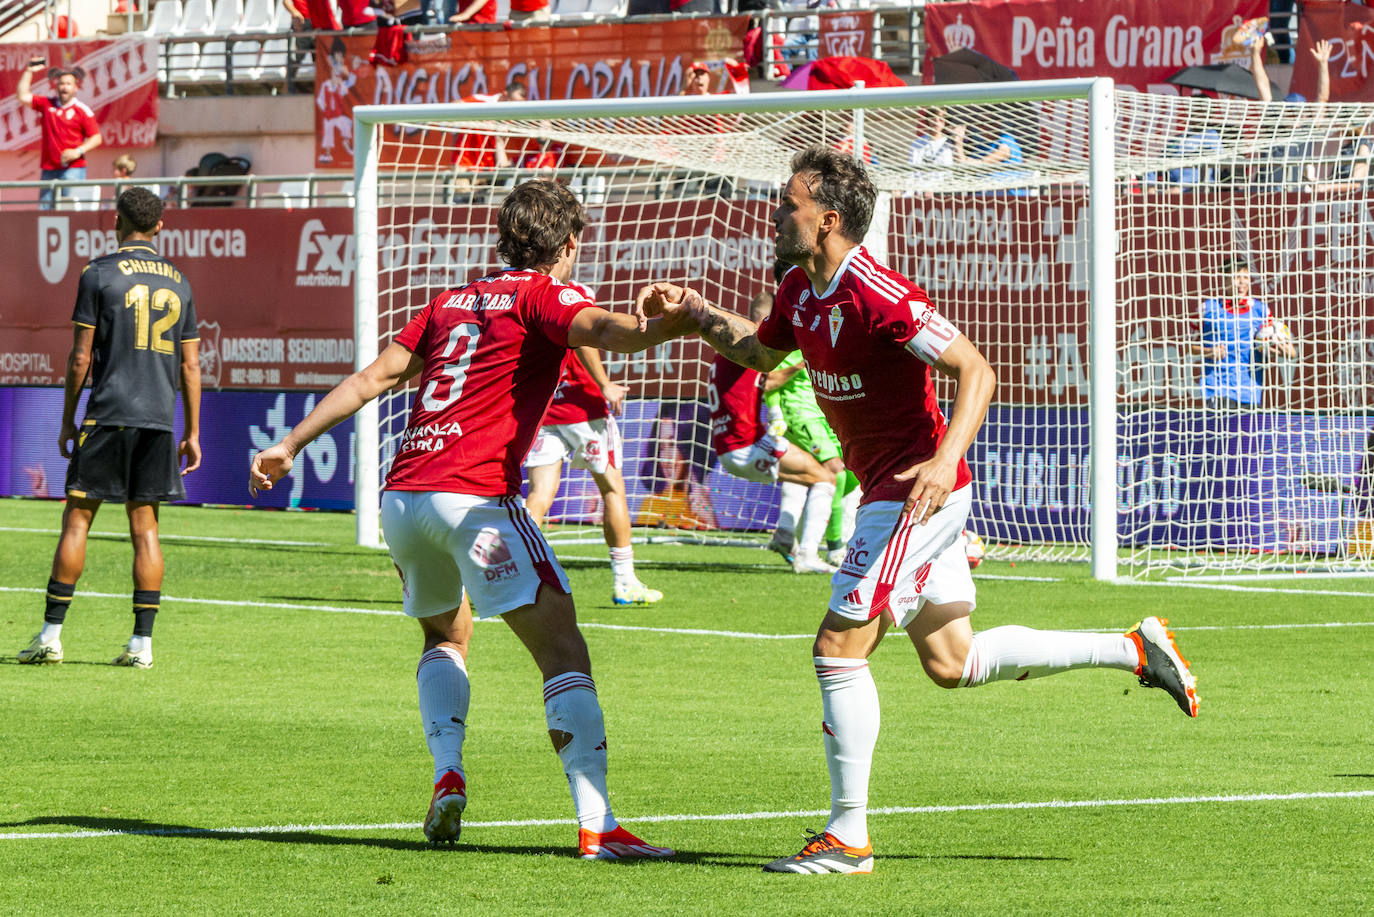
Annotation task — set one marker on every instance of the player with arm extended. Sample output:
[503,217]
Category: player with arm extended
[748,450]
[1229,328]
[136,336]
[871,339]
[580,428]
[488,356]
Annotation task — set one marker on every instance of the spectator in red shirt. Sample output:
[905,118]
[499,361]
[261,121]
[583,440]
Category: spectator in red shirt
[439,12]
[530,11]
[69,127]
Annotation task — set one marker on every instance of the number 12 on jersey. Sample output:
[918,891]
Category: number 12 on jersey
[144,302]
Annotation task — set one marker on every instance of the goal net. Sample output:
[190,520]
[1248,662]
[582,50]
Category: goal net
[1087,241]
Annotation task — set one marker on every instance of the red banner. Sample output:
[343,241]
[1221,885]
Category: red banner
[119,84]
[1138,43]
[847,34]
[582,62]
[1350,29]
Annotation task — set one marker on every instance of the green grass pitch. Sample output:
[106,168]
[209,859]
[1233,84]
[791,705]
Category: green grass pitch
[272,761]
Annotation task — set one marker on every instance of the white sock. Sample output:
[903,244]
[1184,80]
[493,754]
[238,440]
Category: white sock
[849,711]
[50,632]
[444,694]
[1016,653]
[790,508]
[815,519]
[850,507]
[623,564]
[579,736]
[138,644]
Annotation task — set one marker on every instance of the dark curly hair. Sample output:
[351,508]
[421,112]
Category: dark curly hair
[842,185]
[535,222]
[140,208]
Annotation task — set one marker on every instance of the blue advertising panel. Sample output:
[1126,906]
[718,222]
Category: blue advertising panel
[234,426]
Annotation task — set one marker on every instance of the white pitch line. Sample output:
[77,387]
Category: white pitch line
[1260,577]
[671,631]
[707,817]
[171,536]
[1271,590]
[342,609]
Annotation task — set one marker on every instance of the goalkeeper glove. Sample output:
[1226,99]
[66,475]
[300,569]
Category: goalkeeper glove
[777,427]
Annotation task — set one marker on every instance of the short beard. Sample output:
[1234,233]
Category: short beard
[791,251]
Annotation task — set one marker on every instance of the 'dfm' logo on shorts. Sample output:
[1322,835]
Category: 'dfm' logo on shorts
[490,553]
[54,247]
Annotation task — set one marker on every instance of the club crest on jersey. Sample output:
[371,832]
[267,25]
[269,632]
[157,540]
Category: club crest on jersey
[836,320]
[570,297]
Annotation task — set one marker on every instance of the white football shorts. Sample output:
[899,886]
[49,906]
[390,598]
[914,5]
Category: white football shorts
[590,444]
[893,565]
[444,544]
[758,462]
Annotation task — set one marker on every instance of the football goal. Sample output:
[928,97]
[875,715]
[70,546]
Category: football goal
[1173,293]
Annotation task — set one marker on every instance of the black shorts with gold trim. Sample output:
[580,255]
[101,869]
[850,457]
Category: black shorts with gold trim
[125,464]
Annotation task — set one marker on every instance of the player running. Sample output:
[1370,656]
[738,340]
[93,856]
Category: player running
[488,356]
[136,335]
[580,428]
[870,338]
[746,449]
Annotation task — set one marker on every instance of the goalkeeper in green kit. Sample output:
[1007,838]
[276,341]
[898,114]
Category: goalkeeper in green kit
[791,401]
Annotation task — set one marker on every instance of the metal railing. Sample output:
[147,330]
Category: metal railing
[282,191]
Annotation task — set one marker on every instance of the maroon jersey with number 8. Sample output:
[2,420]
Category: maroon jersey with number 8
[492,352]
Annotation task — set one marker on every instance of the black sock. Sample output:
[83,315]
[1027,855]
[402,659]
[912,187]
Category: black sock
[59,600]
[145,609]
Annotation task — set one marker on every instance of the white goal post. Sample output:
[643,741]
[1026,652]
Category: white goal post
[1082,237]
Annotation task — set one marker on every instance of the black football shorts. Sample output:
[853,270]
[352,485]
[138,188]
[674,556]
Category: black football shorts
[126,465]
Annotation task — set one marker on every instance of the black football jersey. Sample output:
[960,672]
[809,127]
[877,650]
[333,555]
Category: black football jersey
[139,304]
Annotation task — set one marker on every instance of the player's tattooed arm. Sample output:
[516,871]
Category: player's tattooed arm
[736,337]
[732,335]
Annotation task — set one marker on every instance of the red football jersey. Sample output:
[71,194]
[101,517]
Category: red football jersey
[577,397]
[492,352]
[64,127]
[735,394]
[868,341]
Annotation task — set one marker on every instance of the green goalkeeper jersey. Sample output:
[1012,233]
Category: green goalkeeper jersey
[796,398]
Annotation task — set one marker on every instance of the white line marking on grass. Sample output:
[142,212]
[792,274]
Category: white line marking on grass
[171,536]
[672,631]
[1260,577]
[696,817]
[344,609]
[695,631]
[1226,587]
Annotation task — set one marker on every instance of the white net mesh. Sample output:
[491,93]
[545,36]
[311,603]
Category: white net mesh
[986,206]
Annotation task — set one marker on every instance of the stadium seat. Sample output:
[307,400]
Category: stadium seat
[164,20]
[289,194]
[276,52]
[185,56]
[258,16]
[82,197]
[214,54]
[246,56]
[226,17]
